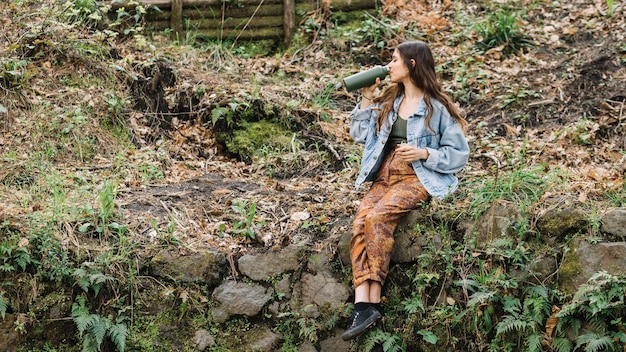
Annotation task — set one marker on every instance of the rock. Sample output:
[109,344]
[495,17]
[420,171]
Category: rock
[307,346]
[239,298]
[556,225]
[539,271]
[334,343]
[262,266]
[408,244]
[343,247]
[202,266]
[283,288]
[497,222]
[9,336]
[586,259]
[614,224]
[319,288]
[265,342]
[203,339]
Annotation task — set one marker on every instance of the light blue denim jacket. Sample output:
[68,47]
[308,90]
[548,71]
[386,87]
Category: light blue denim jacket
[447,145]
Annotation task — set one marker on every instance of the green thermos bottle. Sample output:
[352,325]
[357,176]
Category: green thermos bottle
[365,78]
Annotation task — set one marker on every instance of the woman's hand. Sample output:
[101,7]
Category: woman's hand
[368,94]
[409,153]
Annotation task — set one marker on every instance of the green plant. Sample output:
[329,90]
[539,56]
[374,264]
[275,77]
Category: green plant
[89,277]
[502,29]
[4,305]
[251,137]
[595,314]
[14,255]
[525,320]
[322,100]
[584,131]
[515,95]
[248,226]
[522,186]
[102,221]
[129,19]
[610,8]
[93,328]
[390,342]
[14,73]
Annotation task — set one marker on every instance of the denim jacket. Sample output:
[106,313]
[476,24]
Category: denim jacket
[447,145]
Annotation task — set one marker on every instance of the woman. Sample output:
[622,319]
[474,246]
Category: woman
[414,143]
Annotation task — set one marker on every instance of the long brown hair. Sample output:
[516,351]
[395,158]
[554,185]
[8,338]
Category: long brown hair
[424,77]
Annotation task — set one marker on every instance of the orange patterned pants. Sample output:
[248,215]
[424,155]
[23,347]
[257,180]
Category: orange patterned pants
[395,192]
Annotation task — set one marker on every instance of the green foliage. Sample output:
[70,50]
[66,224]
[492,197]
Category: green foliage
[597,308]
[4,305]
[90,278]
[14,73]
[584,132]
[389,342]
[248,225]
[522,186]
[503,29]
[14,255]
[323,99]
[610,8]
[93,328]
[515,95]
[103,220]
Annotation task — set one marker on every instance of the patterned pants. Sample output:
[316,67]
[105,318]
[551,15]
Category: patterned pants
[395,192]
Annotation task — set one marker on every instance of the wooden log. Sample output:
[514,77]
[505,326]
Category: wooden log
[229,23]
[167,4]
[247,34]
[254,22]
[338,5]
[289,20]
[247,11]
[196,14]
[227,33]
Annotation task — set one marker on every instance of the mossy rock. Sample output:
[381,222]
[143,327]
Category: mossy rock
[557,225]
[570,270]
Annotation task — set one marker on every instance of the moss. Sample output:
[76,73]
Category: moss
[569,270]
[254,136]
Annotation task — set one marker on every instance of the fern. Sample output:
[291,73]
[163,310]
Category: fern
[4,305]
[514,323]
[595,342]
[533,343]
[481,297]
[393,344]
[605,343]
[373,338]
[118,334]
[81,315]
[390,342]
[561,344]
[93,328]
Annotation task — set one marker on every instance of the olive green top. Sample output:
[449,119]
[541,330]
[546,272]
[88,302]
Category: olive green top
[398,132]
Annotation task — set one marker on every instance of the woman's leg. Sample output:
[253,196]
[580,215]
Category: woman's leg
[396,192]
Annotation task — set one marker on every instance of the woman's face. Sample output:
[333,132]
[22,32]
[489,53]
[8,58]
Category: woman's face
[398,72]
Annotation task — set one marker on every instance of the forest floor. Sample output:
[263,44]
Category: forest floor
[558,105]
